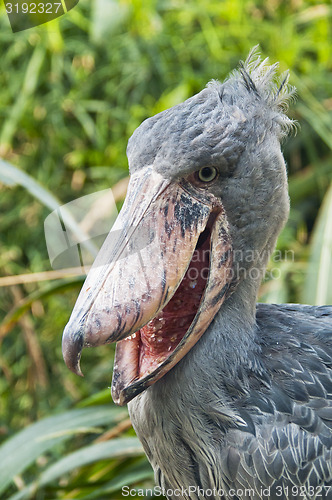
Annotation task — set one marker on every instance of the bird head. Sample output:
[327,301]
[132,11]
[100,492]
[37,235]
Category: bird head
[206,200]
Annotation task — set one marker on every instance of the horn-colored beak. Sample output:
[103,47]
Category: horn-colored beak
[156,284]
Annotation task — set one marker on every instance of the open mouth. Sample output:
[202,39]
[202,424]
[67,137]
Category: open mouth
[155,287]
[152,344]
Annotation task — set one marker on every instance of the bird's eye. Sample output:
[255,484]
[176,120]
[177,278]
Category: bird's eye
[207,174]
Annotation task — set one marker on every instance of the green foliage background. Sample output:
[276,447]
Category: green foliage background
[71,93]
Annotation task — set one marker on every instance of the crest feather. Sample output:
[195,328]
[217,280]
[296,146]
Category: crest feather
[262,79]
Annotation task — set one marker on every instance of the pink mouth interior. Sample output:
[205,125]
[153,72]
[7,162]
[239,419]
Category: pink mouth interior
[158,338]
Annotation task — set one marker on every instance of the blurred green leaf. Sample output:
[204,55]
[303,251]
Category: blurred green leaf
[58,287]
[18,452]
[301,185]
[99,398]
[30,83]
[129,476]
[318,288]
[107,18]
[11,175]
[71,94]
[116,448]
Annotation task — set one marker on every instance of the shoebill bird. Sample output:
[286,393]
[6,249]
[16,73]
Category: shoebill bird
[230,399]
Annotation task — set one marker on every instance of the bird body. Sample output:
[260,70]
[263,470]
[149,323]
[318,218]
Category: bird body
[230,399]
[260,428]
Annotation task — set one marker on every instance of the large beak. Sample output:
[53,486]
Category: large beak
[156,284]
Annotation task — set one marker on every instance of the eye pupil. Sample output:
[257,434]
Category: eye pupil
[207,174]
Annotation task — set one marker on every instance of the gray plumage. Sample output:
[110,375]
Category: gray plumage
[249,407]
[260,421]
[230,399]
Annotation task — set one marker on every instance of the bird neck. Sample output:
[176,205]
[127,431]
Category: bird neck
[204,378]
[177,416]
[232,333]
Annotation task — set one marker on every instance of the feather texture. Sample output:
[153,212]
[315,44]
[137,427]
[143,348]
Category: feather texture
[247,413]
[283,447]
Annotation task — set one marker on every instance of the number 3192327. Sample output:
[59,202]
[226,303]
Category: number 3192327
[32,8]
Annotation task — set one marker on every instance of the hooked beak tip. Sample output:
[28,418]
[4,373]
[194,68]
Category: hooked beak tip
[72,345]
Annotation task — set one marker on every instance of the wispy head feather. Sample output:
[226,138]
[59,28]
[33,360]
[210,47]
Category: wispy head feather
[261,78]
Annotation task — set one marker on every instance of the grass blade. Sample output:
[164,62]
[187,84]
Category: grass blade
[20,451]
[30,83]
[318,288]
[13,316]
[116,448]
[12,175]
